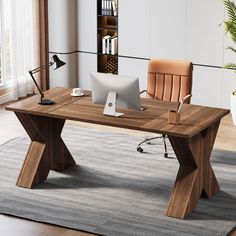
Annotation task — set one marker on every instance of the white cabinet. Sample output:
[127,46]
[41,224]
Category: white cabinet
[207,86]
[87,25]
[65,76]
[134,67]
[134,28]
[62,21]
[168,29]
[87,63]
[204,36]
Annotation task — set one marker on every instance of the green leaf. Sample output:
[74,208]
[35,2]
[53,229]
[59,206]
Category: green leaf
[231,10]
[230,28]
[231,66]
[232,49]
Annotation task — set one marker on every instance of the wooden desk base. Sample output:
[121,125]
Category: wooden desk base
[47,150]
[195,177]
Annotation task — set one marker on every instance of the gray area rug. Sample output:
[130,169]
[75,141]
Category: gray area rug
[114,190]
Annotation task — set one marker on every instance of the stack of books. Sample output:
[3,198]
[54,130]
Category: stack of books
[109,45]
[109,7]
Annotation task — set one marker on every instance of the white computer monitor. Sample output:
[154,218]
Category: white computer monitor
[115,91]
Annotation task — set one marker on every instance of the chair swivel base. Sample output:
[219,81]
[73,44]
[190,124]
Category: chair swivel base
[139,149]
[148,141]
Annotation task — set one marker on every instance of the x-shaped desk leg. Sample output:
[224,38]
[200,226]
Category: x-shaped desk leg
[195,177]
[47,150]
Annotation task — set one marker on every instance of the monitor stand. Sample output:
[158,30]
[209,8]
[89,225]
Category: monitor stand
[110,107]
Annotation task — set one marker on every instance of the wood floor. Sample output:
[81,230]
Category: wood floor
[10,128]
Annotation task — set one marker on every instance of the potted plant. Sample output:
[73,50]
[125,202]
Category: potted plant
[230,27]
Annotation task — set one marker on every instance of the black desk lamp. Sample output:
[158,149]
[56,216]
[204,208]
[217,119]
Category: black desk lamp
[58,63]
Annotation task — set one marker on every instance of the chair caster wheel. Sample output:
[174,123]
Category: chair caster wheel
[166,155]
[139,149]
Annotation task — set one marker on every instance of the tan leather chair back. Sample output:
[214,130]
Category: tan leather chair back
[169,80]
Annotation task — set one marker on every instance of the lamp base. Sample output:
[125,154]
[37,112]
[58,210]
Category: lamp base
[45,101]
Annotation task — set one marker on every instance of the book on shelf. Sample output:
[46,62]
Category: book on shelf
[113,45]
[114,7]
[109,7]
[108,45]
[102,7]
[105,44]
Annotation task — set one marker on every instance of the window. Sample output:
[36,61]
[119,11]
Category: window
[20,45]
[5,64]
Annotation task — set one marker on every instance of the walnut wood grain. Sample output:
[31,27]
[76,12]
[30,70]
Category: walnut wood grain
[195,177]
[47,150]
[154,119]
[192,140]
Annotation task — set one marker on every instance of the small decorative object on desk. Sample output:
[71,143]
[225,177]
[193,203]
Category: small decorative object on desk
[77,92]
[174,115]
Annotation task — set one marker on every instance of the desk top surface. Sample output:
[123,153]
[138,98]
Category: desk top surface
[194,118]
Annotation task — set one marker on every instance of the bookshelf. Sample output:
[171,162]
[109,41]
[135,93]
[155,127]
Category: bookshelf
[107,36]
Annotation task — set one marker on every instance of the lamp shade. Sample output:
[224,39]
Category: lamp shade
[58,62]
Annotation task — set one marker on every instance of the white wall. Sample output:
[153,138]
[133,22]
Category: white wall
[87,63]
[63,39]
[87,25]
[134,67]
[134,28]
[168,29]
[204,36]
[229,76]
[207,86]
[62,25]
[184,29]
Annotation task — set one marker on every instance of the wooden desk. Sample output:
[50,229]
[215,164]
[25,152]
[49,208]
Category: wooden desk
[192,141]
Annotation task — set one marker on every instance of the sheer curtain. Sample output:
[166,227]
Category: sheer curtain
[20,44]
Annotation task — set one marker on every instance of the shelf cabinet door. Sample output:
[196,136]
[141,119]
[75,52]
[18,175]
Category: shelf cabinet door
[87,25]
[62,15]
[204,35]
[134,67]
[167,29]
[87,63]
[133,28]
[207,86]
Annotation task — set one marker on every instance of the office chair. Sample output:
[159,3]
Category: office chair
[168,80]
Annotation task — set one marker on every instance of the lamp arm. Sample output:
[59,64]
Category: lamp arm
[31,74]
[42,67]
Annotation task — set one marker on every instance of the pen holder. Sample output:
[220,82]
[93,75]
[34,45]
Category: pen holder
[173,117]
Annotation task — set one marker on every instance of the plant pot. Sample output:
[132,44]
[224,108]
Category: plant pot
[233,106]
